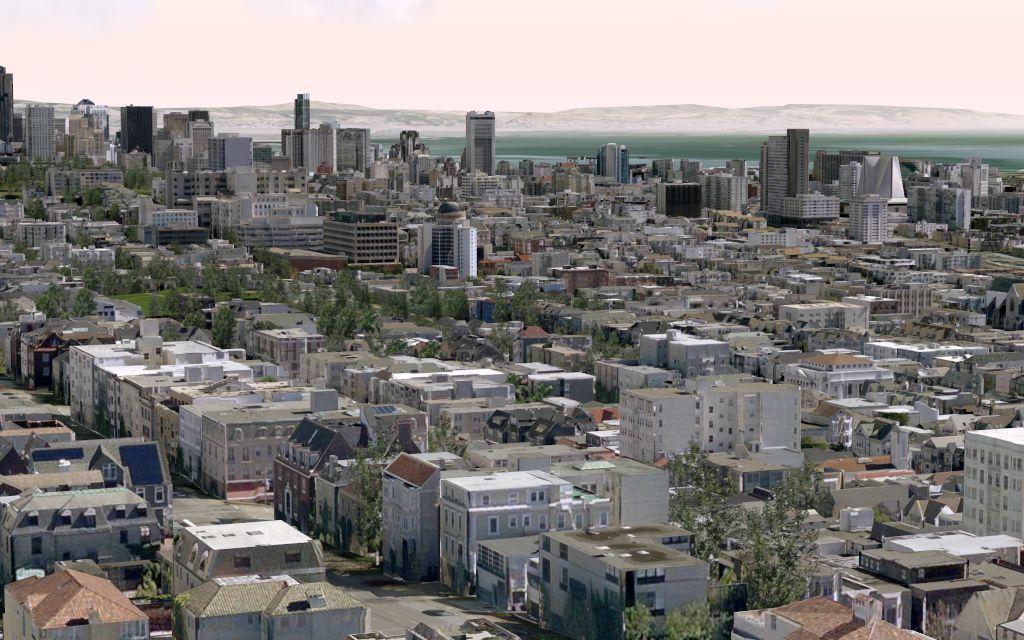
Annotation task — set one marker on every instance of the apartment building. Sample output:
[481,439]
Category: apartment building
[605,572]
[410,525]
[689,355]
[827,315]
[507,505]
[103,525]
[837,375]
[264,547]
[994,482]
[286,347]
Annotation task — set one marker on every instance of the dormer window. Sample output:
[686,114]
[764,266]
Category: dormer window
[32,519]
[65,517]
[119,511]
[90,517]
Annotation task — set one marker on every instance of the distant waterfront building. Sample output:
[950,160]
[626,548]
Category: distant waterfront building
[262,154]
[40,141]
[227,152]
[868,218]
[353,149]
[6,105]
[312,149]
[137,129]
[783,170]
[613,162]
[679,199]
[480,142]
[302,111]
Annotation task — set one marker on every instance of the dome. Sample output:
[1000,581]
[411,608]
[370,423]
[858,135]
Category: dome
[449,207]
[85,102]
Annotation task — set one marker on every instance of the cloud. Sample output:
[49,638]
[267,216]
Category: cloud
[361,10]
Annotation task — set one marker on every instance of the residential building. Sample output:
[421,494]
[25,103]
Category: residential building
[270,608]
[40,143]
[940,202]
[993,482]
[286,347]
[724,192]
[507,505]
[784,170]
[104,525]
[809,209]
[70,605]
[449,241]
[261,548]
[410,524]
[818,619]
[605,572]
[868,215]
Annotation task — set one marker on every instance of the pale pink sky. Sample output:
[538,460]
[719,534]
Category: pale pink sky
[515,55]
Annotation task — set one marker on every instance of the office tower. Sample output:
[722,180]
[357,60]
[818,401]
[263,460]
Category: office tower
[526,168]
[96,115]
[723,191]
[849,180]
[228,152]
[868,215]
[480,142]
[783,170]
[39,133]
[6,105]
[302,111]
[176,125]
[198,114]
[137,130]
[613,162]
[662,168]
[449,241]
[737,167]
[827,163]
[200,131]
[312,149]
[18,132]
[353,149]
[262,153]
[690,170]
[940,202]
[679,199]
[881,176]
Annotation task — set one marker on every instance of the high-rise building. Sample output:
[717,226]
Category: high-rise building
[827,163]
[940,202]
[353,149]
[302,111]
[679,199]
[137,130]
[408,142]
[449,241]
[176,125]
[6,105]
[868,218]
[783,170]
[663,168]
[97,115]
[849,180]
[198,114]
[227,152]
[613,162]
[737,167]
[881,176]
[262,153]
[480,142]
[18,132]
[40,141]
[724,191]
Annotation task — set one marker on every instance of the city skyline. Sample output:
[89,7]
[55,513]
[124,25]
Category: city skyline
[745,64]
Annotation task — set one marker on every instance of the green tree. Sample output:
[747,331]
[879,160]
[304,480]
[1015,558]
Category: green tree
[443,437]
[84,303]
[368,482]
[53,302]
[431,350]
[696,622]
[9,311]
[35,209]
[223,327]
[637,623]
[425,300]
[700,502]
[194,319]
[455,304]
[524,305]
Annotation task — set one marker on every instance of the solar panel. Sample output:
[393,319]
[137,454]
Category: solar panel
[143,463]
[385,409]
[52,455]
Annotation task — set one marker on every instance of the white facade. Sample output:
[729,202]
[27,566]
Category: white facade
[994,482]
[868,215]
[40,142]
[480,142]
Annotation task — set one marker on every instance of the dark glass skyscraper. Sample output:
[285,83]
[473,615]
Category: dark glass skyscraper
[137,128]
[198,114]
[302,111]
[6,105]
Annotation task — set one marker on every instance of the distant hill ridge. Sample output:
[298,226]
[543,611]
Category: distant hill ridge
[267,120]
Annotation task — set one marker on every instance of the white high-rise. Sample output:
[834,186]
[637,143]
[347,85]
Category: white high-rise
[40,140]
[868,216]
[480,142]
[448,242]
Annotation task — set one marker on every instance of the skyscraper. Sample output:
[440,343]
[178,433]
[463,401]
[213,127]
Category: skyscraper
[6,105]
[198,114]
[613,162]
[40,142]
[137,129]
[783,170]
[408,141]
[353,149]
[480,142]
[449,241]
[302,111]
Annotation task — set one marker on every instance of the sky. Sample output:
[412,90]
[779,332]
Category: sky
[521,55]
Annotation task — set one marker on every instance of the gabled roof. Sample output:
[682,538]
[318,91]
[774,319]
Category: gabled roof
[411,469]
[66,598]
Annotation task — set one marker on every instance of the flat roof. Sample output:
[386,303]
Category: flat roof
[238,535]
[506,480]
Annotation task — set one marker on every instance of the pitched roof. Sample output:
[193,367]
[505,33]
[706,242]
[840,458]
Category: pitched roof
[411,469]
[821,618]
[65,598]
[272,597]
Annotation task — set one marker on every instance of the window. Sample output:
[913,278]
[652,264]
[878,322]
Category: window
[545,570]
[485,500]
[513,522]
[243,562]
[123,536]
[526,521]
[563,584]
[37,546]
[542,522]
[561,520]
[492,525]
[513,497]
[293,557]
[563,551]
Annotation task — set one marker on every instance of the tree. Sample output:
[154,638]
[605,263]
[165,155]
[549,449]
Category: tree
[368,481]
[84,303]
[53,302]
[637,623]
[9,311]
[696,622]
[455,304]
[524,303]
[425,300]
[35,209]
[443,437]
[223,327]
[431,350]
[194,319]
[700,503]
